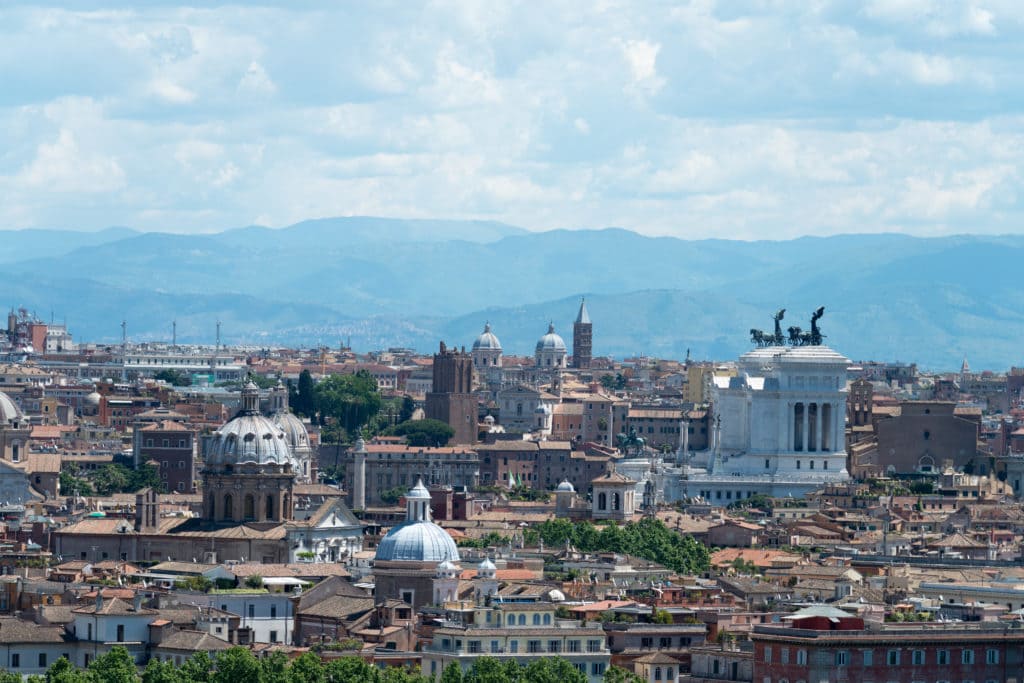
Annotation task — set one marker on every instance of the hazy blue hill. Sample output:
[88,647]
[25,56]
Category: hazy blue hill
[18,245]
[389,282]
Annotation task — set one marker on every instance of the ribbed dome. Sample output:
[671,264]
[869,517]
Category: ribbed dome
[294,431]
[487,340]
[249,437]
[417,541]
[9,410]
[567,486]
[486,569]
[551,341]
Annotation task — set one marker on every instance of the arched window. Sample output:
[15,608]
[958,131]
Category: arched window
[228,507]
[212,512]
[522,620]
[249,509]
[536,620]
[270,507]
[616,502]
[547,619]
[602,501]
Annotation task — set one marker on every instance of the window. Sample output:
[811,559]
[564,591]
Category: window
[511,620]
[273,636]
[657,673]
[533,646]
[474,647]
[554,646]
[273,611]
[798,464]
[768,656]
[42,660]
[842,658]
[120,633]
[252,611]
[536,620]
[869,657]
[942,657]
[597,668]
[991,656]
[513,646]
[967,657]
[665,642]
[572,646]
[801,657]
[15,660]
[892,658]
[646,642]
[495,647]
[917,657]
[593,646]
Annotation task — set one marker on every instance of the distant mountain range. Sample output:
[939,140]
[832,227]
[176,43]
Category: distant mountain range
[386,282]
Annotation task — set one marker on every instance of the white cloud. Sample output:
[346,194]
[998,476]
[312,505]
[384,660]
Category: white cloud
[256,81]
[171,92]
[62,167]
[742,118]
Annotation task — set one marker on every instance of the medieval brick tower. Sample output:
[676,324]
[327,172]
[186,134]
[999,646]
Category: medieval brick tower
[581,338]
[452,400]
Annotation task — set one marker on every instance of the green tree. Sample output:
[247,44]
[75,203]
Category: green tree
[615,674]
[63,671]
[424,432]
[488,670]
[236,665]
[162,672]
[117,666]
[110,478]
[274,668]
[144,476]
[350,400]
[305,395]
[350,670]
[197,669]
[71,484]
[406,410]
[452,673]
[175,378]
[553,670]
[307,669]
[661,616]
[254,581]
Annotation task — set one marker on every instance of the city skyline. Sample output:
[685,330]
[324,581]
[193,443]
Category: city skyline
[693,120]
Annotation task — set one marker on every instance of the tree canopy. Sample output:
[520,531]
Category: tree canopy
[648,538]
[424,433]
[349,400]
[239,664]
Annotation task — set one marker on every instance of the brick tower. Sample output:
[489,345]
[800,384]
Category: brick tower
[451,399]
[581,338]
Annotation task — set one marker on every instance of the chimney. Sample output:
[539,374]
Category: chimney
[137,602]
[99,599]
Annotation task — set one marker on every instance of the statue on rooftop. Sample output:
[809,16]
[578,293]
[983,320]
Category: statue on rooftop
[816,335]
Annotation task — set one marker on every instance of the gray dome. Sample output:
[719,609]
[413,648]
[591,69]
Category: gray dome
[9,410]
[417,541]
[249,437]
[294,431]
[566,486]
[487,340]
[551,341]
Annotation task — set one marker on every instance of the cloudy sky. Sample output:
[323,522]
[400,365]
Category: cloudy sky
[750,120]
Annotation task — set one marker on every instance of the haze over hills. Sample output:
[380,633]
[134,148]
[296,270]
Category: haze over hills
[388,282]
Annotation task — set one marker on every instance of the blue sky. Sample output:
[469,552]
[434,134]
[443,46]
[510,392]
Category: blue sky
[736,119]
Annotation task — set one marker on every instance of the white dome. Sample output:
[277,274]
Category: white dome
[486,569]
[294,431]
[93,398]
[487,340]
[249,437]
[447,569]
[9,410]
[487,564]
[417,541]
[566,486]
[418,492]
[551,341]
[556,595]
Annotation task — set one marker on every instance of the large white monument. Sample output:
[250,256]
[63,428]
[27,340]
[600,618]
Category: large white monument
[779,425]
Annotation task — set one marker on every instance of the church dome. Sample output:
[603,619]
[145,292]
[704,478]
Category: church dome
[249,437]
[566,487]
[9,410]
[551,341]
[93,398]
[487,340]
[294,431]
[417,539]
[486,569]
